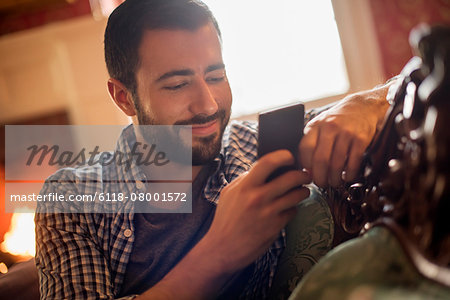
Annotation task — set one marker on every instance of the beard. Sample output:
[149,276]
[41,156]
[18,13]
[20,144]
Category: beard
[204,149]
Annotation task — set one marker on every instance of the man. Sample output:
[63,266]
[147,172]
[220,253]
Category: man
[165,62]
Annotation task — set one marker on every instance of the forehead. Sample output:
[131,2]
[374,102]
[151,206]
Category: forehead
[162,49]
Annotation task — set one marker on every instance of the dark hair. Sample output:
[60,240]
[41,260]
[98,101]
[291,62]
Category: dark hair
[128,22]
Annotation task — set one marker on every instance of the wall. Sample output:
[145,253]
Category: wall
[393,21]
[59,66]
[38,13]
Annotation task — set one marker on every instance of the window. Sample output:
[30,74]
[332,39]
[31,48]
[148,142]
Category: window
[280,51]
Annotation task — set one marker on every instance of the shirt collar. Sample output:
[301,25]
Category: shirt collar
[219,178]
[128,174]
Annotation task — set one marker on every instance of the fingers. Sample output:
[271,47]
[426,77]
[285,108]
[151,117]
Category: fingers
[307,146]
[324,151]
[327,151]
[338,160]
[354,160]
[286,182]
[321,157]
[267,164]
[291,199]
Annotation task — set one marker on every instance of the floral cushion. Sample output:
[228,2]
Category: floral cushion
[309,236]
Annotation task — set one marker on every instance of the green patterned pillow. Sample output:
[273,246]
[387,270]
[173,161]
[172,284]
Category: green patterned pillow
[373,266]
[309,236]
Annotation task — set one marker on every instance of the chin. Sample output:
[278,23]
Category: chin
[206,149]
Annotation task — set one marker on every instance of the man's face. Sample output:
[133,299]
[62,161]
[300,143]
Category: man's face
[181,80]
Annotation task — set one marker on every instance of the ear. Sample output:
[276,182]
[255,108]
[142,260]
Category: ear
[121,96]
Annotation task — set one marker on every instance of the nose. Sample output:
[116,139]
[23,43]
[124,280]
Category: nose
[204,101]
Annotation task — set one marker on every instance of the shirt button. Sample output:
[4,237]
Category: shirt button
[127,233]
[139,185]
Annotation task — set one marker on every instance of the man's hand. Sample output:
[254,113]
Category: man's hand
[251,212]
[249,216]
[336,140]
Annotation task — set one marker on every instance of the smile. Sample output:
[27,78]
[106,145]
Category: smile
[205,129]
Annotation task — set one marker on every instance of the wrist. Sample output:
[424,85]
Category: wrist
[218,265]
[378,101]
[220,262]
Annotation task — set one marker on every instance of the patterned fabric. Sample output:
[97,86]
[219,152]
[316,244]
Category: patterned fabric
[86,255]
[309,236]
[373,266]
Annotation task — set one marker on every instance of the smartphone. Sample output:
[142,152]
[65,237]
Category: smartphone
[281,128]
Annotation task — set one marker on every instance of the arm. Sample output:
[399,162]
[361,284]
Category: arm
[70,263]
[249,217]
[336,139]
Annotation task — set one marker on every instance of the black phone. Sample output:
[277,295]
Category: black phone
[281,128]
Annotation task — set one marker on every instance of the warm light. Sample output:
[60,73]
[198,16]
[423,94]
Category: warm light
[3,268]
[20,239]
[277,52]
[103,8]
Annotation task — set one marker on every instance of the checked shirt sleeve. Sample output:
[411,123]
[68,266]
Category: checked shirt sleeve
[314,112]
[69,257]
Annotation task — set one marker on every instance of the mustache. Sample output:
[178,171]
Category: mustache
[203,119]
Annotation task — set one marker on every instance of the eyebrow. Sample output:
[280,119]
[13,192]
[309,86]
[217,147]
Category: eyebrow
[215,67]
[188,72]
[183,72]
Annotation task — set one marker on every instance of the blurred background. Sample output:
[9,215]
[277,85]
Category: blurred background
[52,69]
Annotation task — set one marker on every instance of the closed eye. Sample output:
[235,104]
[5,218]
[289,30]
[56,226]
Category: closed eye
[175,87]
[215,79]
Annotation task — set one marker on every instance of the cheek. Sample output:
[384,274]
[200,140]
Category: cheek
[165,108]
[172,109]
[224,97]
[167,114]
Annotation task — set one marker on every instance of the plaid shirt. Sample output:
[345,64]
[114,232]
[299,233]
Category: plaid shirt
[86,255]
